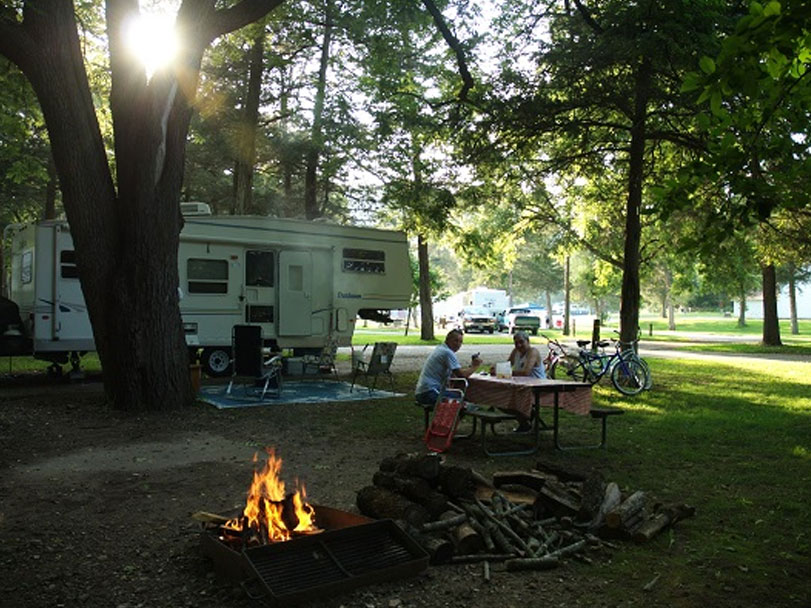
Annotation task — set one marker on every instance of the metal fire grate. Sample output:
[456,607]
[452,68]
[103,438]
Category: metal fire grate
[333,561]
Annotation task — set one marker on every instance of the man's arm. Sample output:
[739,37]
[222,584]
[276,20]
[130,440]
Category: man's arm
[464,372]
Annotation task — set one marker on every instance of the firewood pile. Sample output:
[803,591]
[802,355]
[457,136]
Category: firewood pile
[525,519]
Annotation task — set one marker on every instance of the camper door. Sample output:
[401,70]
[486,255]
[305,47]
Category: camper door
[260,290]
[295,293]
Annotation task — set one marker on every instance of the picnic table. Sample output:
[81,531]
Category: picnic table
[495,399]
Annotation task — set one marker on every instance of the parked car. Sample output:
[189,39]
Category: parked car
[521,319]
[477,320]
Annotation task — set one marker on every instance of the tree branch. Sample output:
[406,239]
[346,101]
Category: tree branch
[584,12]
[456,47]
[240,15]
[15,43]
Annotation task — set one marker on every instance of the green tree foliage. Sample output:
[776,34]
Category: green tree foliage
[24,149]
[589,93]
[756,159]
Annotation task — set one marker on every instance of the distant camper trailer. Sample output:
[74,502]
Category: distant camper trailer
[303,282]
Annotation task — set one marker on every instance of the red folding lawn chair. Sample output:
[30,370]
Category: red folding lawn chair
[448,411]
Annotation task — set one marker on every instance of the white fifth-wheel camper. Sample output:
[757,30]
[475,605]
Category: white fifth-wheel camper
[305,283]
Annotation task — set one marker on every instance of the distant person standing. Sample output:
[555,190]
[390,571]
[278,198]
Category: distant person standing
[440,366]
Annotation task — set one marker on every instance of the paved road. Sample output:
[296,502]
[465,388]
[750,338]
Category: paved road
[411,358]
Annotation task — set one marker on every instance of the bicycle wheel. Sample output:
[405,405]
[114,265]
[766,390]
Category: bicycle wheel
[632,356]
[568,368]
[648,376]
[629,376]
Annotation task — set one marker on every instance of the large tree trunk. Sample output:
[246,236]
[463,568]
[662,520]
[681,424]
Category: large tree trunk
[771,325]
[548,308]
[792,301]
[671,312]
[426,306]
[246,135]
[629,299]
[742,312]
[126,232]
[311,209]
[567,290]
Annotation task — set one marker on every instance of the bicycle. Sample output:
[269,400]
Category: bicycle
[556,351]
[633,347]
[627,373]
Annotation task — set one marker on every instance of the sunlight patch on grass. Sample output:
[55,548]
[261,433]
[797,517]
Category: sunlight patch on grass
[801,452]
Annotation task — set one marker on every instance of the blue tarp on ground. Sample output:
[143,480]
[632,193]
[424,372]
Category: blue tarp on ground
[293,391]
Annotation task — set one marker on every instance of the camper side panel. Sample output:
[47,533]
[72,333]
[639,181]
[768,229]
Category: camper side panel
[45,285]
[371,274]
[211,291]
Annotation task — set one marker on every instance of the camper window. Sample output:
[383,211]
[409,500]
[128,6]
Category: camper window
[26,267]
[67,264]
[364,260]
[207,276]
[259,268]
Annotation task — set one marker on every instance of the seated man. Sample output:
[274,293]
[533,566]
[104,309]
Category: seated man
[440,366]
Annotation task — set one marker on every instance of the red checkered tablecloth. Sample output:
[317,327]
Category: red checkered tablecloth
[518,394]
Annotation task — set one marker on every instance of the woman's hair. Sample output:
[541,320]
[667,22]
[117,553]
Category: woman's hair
[521,334]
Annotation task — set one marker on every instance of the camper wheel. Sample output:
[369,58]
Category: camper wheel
[216,361]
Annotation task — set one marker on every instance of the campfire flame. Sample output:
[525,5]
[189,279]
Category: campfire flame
[270,514]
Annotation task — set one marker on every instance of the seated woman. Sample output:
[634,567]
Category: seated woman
[525,360]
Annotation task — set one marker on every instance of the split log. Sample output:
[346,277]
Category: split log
[611,499]
[426,467]
[466,539]
[480,479]
[457,482]
[407,485]
[529,479]
[209,518]
[487,539]
[439,549]
[628,509]
[554,499]
[413,488]
[563,474]
[518,495]
[381,503]
[592,492]
[666,516]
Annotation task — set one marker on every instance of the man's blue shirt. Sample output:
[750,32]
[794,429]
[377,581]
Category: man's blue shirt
[437,369]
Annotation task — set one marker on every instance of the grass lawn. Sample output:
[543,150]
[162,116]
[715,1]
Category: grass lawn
[733,440]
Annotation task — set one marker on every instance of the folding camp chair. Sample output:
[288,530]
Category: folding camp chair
[324,363]
[448,411]
[247,347]
[379,363]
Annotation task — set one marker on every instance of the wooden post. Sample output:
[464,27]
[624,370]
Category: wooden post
[595,334]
